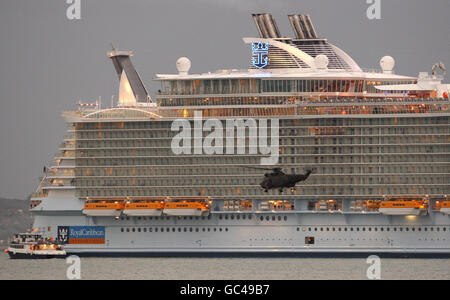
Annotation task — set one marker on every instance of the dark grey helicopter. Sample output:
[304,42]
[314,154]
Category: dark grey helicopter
[277,179]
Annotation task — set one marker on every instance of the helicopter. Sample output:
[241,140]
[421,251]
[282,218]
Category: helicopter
[277,179]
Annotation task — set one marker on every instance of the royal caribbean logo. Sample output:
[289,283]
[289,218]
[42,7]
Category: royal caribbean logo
[63,234]
[81,234]
[260,53]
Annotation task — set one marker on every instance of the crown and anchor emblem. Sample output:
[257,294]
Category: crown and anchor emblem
[63,234]
[260,52]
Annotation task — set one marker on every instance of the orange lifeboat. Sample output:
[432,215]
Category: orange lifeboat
[404,207]
[445,207]
[186,208]
[143,208]
[100,208]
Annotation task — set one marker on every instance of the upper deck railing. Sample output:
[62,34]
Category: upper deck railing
[330,106]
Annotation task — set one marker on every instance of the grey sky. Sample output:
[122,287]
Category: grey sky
[48,62]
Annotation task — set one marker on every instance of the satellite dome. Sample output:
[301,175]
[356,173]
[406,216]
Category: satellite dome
[321,61]
[183,65]
[387,64]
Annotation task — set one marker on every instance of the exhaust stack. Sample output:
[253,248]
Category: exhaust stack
[302,26]
[266,25]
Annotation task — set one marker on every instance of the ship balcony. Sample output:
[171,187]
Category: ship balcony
[58,187]
[39,194]
[69,137]
[58,183]
[67,146]
[65,155]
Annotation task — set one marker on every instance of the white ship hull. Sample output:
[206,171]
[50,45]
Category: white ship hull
[343,235]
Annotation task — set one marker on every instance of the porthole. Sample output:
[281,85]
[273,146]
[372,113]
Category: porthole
[267,218]
[285,218]
[121,229]
[134,229]
[261,218]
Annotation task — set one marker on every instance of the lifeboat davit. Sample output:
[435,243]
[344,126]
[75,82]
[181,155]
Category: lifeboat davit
[403,207]
[445,207]
[103,208]
[143,208]
[186,208]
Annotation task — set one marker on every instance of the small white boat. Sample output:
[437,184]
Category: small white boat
[33,246]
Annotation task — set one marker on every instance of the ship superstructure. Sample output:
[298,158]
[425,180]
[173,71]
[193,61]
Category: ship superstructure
[378,142]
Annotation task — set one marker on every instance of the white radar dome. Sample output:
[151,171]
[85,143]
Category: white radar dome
[321,61]
[183,65]
[387,64]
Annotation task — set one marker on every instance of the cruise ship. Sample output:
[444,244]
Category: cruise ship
[128,180]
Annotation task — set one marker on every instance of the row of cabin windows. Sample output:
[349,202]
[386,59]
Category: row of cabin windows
[376,229]
[155,125]
[168,218]
[173,229]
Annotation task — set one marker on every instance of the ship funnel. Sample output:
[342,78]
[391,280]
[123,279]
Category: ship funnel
[302,26]
[266,25]
[126,72]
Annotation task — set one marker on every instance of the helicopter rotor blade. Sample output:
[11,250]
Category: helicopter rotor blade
[261,168]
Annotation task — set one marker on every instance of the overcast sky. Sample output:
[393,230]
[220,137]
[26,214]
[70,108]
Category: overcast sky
[48,62]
